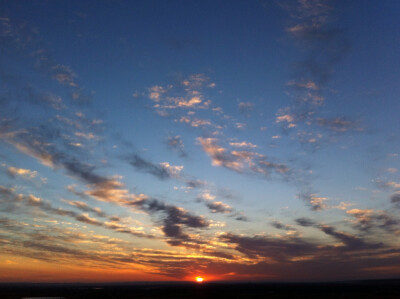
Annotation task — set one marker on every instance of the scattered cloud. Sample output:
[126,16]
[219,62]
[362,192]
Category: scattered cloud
[24,173]
[316,203]
[173,219]
[242,144]
[246,107]
[241,161]
[160,171]
[176,144]
[368,219]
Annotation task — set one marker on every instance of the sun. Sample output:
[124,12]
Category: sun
[199,279]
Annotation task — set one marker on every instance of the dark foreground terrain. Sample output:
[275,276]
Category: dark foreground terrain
[354,289]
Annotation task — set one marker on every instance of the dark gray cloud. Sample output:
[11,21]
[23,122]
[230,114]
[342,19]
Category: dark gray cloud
[280,225]
[270,247]
[173,219]
[163,171]
[316,203]
[10,224]
[141,164]
[395,199]
[218,207]
[6,192]
[367,220]
[350,242]
[284,249]
[305,222]
[193,183]
[53,248]
[240,217]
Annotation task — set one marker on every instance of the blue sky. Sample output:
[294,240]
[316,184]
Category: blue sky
[162,140]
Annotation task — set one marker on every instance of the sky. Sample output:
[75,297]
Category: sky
[233,140]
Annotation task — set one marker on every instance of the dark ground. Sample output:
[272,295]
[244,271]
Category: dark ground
[353,289]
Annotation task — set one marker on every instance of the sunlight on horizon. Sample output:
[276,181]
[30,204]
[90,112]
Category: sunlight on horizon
[199,279]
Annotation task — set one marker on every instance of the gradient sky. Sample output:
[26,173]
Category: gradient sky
[162,140]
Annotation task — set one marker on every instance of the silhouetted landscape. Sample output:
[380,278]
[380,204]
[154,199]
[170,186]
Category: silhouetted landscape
[352,289]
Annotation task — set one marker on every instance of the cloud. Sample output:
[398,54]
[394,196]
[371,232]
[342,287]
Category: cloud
[64,75]
[304,85]
[189,93]
[87,136]
[163,171]
[315,202]
[368,219]
[173,221]
[218,207]
[280,225]
[37,202]
[270,248]
[242,144]
[324,45]
[388,184]
[395,199]
[160,171]
[219,155]
[176,144]
[84,207]
[5,191]
[85,218]
[194,183]
[156,92]
[305,222]
[196,122]
[241,161]
[246,107]
[349,242]
[338,124]
[25,173]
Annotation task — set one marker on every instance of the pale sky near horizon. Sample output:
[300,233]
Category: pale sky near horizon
[162,140]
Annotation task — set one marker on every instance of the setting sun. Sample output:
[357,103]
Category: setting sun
[199,279]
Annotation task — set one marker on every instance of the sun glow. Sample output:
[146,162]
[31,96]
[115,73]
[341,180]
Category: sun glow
[199,279]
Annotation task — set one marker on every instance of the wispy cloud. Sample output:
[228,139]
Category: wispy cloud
[243,144]
[242,161]
[246,107]
[213,205]
[190,94]
[86,208]
[173,219]
[315,202]
[22,172]
[324,46]
[368,219]
[395,199]
[176,144]
[31,200]
[160,171]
